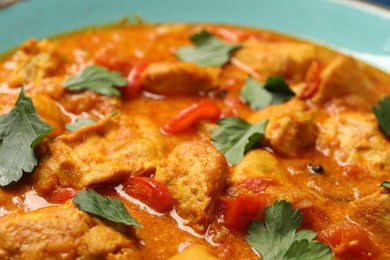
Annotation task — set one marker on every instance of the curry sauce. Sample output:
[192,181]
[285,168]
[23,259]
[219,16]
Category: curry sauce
[153,144]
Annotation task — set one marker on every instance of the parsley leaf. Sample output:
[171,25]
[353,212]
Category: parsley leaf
[275,91]
[208,50]
[79,123]
[386,184]
[20,131]
[234,137]
[279,239]
[103,206]
[382,114]
[98,79]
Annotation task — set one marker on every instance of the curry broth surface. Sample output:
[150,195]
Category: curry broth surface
[325,198]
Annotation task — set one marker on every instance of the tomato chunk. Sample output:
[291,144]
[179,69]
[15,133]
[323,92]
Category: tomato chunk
[151,192]
[312,80]
[134,80]
[60,195]
[239,211]
[349,241]
[188,117]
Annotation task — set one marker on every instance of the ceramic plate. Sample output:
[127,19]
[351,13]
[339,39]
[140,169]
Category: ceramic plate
[351,26]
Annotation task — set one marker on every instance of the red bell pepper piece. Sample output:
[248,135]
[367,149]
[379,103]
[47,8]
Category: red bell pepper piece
[134,80]
[312,80]
[188,117]
[151,192]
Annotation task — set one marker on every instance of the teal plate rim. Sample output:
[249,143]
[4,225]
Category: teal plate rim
[354,27]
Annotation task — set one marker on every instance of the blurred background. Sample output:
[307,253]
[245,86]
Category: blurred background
[381,2]
[384,3]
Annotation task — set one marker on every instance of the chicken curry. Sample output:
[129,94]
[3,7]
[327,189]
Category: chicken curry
[191,141]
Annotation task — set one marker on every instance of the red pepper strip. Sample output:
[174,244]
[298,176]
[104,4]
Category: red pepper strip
[188,117]
[312,80]
[151,192]
[134,80]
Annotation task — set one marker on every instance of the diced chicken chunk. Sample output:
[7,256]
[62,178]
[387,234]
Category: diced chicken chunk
[256,163]
[290,126]
[297,196]
[7,102]
[59,232]
[50,113]
[195,174]
[343,77]
[179,78]
[277,58]
[373,213]
[194,253]
[105,152]
[32,62]
[51,87]
[355,138]
[90,102]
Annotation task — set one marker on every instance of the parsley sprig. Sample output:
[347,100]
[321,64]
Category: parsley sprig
[208,50]
[234,137]
[278,238]
[98,79]
[386,184]
[20,131]
[382,114]
[259,96]
[104,206]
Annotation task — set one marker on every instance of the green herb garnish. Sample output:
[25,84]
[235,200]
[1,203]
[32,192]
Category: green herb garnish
[208,50]
[20,131]
[103,206]
[234,137]
[382,114]
[259,96]
[386,184]
[278,239]
[98,79]
[79,123]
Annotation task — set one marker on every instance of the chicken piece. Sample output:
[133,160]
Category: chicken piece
[105,152]
[195,174]
[373,213]
[59,232]
[51,87]
[257,163]
[179,78]
[126,254]
[90,102]
[297,196]
[50,113]
[343,77]
[355,139]
[33,62]
[289,59]
[290,127]
[7,102]
[195,252]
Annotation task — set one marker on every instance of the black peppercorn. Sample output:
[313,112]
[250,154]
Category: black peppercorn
[315,169]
